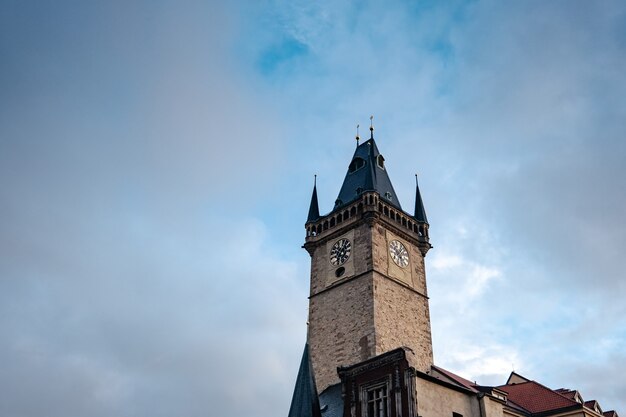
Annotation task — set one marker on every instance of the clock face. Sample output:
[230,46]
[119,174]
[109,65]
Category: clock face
[399,254]
[340,252]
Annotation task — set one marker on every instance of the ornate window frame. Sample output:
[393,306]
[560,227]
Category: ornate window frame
[384,383]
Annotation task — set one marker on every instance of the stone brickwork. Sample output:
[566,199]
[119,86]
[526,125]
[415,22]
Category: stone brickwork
[402,319]
[341,312]
[372,309]
[341,328]
[401,311]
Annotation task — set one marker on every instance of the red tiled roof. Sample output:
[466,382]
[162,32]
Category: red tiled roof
[592,404]
[536,398]
[569,393]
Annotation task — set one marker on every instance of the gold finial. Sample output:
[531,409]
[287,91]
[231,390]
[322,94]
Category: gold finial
[371,127]
[357,135]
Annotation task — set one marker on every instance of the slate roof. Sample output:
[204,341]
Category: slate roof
[369,177]
[331,402]
[305,402]
[420,212]
[314,210]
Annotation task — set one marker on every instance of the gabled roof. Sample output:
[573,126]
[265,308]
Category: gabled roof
[452,377]
[611,413]
[305,402]
[365,173]
[516,378]
[537,398]
[593,405]
[572,394]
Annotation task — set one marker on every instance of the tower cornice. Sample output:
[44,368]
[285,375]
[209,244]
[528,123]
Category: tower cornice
[370,208]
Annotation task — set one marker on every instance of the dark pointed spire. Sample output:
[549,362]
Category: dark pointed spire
[367,172]
[314,210]
[371,127]
[305,402]
[357,136]
[420,213]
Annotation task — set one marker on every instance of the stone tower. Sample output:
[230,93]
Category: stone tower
[368,285]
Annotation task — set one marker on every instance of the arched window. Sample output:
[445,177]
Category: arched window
[357,163]
[380,161]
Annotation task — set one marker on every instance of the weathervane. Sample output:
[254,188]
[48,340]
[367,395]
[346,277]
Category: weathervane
[357,135]
[371,127]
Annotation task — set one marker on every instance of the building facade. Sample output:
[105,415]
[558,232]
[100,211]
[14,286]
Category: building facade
[369,348]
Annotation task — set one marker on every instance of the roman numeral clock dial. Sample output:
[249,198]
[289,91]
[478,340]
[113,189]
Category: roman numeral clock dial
[399,254]
[340,252]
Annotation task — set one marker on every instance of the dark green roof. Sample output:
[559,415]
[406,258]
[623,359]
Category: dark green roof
[367,172]
[305,402]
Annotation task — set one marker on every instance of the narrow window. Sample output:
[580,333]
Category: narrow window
[380,162]
[456,414]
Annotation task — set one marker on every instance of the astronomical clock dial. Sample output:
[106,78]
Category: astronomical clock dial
[340,252]
[399,254]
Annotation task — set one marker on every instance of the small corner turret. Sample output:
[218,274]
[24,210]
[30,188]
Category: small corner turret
[314,210]
[420,212]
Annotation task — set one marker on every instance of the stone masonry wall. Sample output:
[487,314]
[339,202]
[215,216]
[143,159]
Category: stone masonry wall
[341,315]
[401,311]
[341,329]
[372,309]
[401,318]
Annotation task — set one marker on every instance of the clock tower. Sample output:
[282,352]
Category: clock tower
[368,290]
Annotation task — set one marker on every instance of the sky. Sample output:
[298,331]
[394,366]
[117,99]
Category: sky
[157,161]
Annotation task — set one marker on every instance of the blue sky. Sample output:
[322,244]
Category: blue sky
[156,164]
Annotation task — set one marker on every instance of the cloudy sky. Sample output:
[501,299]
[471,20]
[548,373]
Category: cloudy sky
[156,164]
